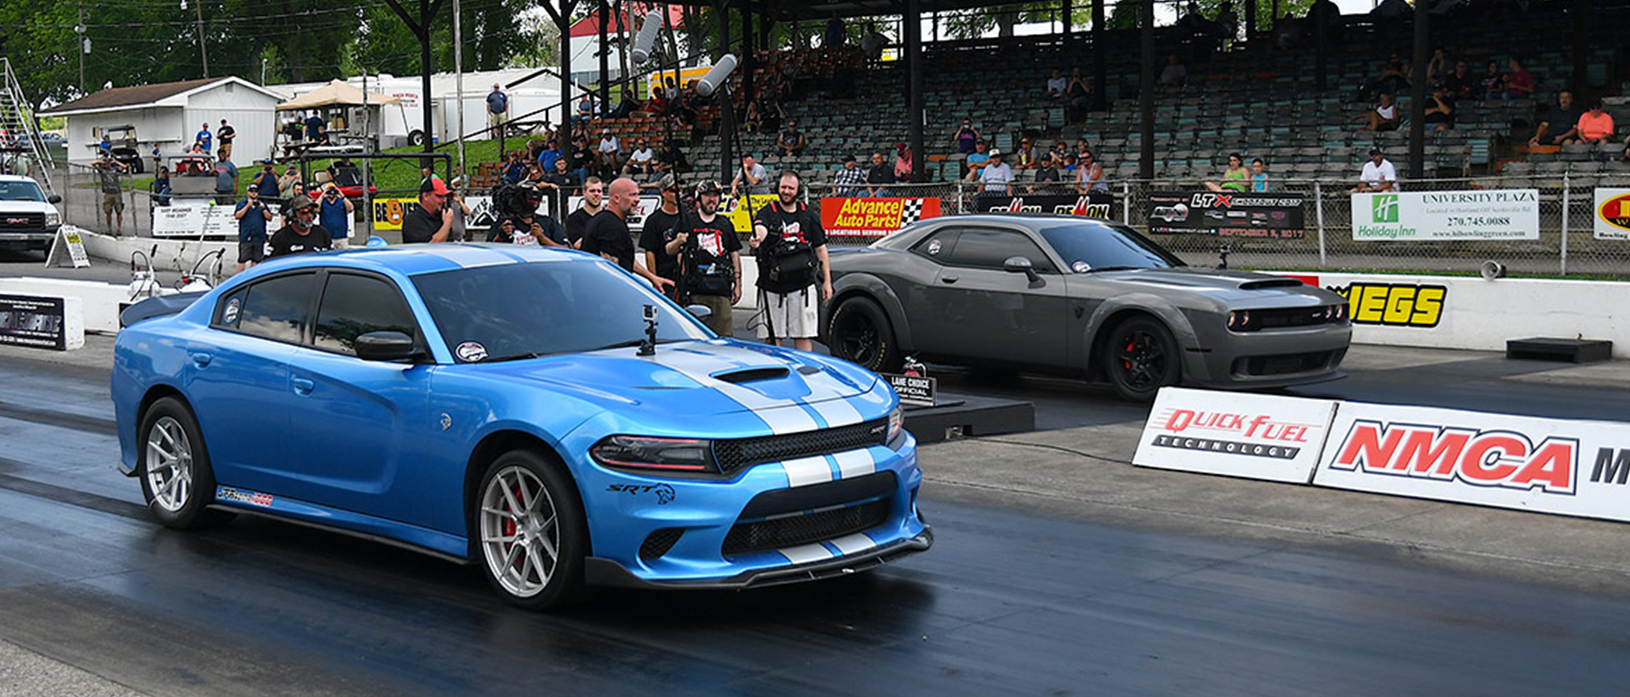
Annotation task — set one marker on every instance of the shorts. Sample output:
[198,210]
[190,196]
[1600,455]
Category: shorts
[790,315]
[251,252]
[113,203]
[342,242]
[721,321]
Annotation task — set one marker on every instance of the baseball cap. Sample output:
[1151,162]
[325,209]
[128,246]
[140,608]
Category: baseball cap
[994,152]
[433,185]
[667,182]
[302,202]
[266,161]
[1375,151]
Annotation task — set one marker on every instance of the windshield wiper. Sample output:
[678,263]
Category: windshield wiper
[515,357]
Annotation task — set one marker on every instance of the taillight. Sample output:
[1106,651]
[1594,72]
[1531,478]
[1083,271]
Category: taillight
[1239,320]
[652,453]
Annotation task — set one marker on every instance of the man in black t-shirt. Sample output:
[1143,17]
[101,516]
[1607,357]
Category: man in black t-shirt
[660,228]
[790,313]
[607,233]
[594,192]
[299,235]
[710,259]
[1561,124]
[432,221]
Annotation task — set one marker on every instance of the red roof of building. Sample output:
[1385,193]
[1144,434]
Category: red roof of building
[590,25]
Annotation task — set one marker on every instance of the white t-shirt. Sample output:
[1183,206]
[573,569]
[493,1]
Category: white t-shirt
[1386,112]
[641,155]
[1376,174]
[610,144]
[1056,85]
[996,177]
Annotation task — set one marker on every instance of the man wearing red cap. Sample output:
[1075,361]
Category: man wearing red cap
[432,221]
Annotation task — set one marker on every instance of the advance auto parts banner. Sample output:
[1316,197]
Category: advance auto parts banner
[1099,206]
[1612,214]
[1494,214]
[874,217]
[1227,214]
[1236,434]
[1579,468]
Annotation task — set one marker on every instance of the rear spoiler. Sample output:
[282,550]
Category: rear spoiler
[157,307]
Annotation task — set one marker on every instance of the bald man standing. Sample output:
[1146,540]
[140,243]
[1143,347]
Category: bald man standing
[607,233]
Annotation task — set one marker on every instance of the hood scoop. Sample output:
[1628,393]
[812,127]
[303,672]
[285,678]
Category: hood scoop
[746,375]
[1271,283]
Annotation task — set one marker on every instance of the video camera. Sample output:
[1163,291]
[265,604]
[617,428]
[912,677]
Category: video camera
[514,200]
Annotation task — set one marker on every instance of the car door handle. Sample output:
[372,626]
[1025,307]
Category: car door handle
[948,279]
[202,359]
[303,386]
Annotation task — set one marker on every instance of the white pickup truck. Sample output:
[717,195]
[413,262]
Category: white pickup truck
[28,219]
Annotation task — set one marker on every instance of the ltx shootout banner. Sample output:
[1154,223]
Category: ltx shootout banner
[1101,206]
[1228,214]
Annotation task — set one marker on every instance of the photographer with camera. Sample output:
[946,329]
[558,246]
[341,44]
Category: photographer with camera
[252,214]
[792,260]
[518,222]
[709,257]
[335,215]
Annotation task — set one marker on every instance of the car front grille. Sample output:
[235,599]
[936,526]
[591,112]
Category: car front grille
[1289,317]
[14,222]
[733,455]
[805,528]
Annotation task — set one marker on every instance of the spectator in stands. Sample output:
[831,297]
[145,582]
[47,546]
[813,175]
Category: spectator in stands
[585,109]
[1046,175]
[1378,174]
[996,178]
[1235,178]
[966,137]
[1519,83]
[608,154]
[1437,68]
[1259,177]
[1493,82]
[1081,147]
[849,180]
[672,159]
[1071,166]
[641,160]
[1394,78]
[580,159]
[161,186]
[836,33]
[879,176]
[546,157]
[902,163]
[1440,111]
[791,141]
[1460,82]
[1561,123]
[1078,95]
[871,45]
[559,184]
[1059,151]
[629,104]
[1089,175]
[1056,85]
[514,169]
[1596,126]
[977,160]
[1025,156]
[753,120]
[1383,117]
[751,178]
[1174,74]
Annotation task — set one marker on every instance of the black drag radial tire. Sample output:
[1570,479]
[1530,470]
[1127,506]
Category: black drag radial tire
[192,513]
[1141,357]
[859,331]
[565,586]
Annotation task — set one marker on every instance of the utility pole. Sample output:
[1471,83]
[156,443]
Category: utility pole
[458,88]
[203,52]
[79,30]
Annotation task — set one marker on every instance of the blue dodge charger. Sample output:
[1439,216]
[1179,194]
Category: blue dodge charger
[539,413]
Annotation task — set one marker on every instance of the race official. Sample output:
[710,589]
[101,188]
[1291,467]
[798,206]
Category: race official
[299,234]
[709,255]
[607,233]
[252,214]
[661,226]
[791,250]
[432,221]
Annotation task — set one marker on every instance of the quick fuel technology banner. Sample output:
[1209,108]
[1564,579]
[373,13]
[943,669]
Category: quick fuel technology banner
[1612,214]
[1086,205]
[1578,468]
[1227,214]
[1493,214]
[1236,434]
[874,217]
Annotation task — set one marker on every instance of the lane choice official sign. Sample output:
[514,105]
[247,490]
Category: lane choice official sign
[1578,468]
[1403,216]
[1236,434]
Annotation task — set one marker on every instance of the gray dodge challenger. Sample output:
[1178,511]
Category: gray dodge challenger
[1076,296]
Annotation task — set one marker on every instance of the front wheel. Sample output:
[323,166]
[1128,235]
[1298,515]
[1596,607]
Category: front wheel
[859,331]
[1140,358]
[176,479]
[533,534]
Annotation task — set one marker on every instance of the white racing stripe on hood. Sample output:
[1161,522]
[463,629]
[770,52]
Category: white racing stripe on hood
[855,463]
[851,544]
[467,257]
[803,554]
[836,412]
[807,470]
[782,415]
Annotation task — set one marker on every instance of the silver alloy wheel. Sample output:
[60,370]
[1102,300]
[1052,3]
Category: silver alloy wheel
[169,464]
[520,537]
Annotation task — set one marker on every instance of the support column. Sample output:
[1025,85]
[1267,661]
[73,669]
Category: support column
[1146,89]
[1582,10]
[727,110]
[749,56]
[564,133]
[425,69]
[1321,52]
[1250,20]
[1418,93]
[1100,75]
[1066,12]
[913,31]
[604,13]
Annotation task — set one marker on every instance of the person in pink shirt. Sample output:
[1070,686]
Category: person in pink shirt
[1519,84]
[1595,126]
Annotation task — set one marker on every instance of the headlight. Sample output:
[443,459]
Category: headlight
[650,453]
[897,423]
[53,218]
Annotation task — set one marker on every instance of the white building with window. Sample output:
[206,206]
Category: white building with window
[169,115]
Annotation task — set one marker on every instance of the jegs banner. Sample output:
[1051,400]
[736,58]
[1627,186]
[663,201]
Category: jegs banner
[1100,206]
[874,217]
[1229,214]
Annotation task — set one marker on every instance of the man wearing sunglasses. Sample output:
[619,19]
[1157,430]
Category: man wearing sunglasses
[299,235]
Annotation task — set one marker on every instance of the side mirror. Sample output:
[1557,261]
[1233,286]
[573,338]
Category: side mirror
[701,312]
[1021,265]
[54,199]
[385,346]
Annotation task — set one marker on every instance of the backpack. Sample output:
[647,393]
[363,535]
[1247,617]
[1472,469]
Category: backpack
[715,277]
[784,265]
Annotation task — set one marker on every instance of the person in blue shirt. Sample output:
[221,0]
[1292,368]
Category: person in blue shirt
[314,126]
[546,158]
[205,139]
[335,215]
[252,214]
[226,181]
[1259,177]
[515,169]
[105,147]
[497,107]
[161,186]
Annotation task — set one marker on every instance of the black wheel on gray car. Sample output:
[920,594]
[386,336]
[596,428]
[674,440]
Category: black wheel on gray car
[173,465]
[859,331]
[533,535]
[1140,358]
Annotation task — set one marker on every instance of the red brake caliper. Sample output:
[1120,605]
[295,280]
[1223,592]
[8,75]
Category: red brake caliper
[1129,346]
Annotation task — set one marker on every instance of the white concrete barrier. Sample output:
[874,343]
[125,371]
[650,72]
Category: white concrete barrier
[97,304]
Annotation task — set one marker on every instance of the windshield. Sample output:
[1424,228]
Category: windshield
[21,191]
[519,310]
[1086,247]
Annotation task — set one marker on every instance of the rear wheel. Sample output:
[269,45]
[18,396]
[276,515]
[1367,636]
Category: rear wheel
[533,534]
[1140,358]
[859,331]
[173,465]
